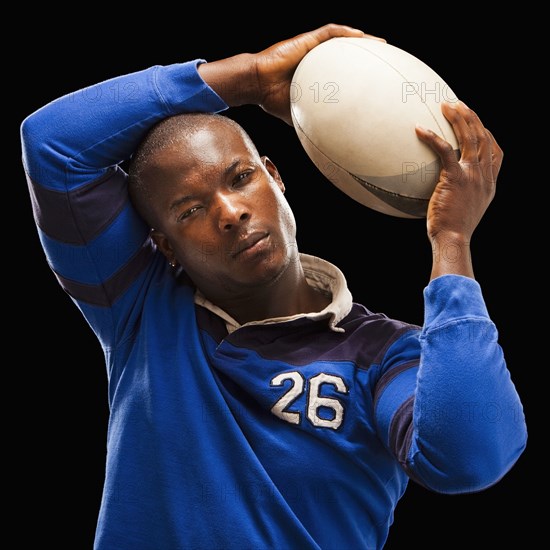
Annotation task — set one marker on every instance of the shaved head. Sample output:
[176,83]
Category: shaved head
[216,208]
[172,133]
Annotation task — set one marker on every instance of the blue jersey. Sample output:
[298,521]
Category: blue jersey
[298,432]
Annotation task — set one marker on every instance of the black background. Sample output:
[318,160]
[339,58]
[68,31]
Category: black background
[61,380]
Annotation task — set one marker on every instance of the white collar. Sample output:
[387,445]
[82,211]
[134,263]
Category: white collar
[319,274]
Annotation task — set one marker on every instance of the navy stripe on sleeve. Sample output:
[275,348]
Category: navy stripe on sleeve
[95,205]
[106,293]
[401,433]
[401,430]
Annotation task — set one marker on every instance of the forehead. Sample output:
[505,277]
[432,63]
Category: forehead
[207,148]
[195,163]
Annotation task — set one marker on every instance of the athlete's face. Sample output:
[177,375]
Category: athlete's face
[221,212]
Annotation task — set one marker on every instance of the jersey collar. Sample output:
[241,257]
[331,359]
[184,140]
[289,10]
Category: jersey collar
[319,274]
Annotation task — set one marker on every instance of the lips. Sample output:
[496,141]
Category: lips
[248,242]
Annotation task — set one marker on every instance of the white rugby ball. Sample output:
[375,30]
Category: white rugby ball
[355,103]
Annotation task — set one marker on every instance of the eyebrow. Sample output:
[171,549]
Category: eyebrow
[185,198]
[181,200]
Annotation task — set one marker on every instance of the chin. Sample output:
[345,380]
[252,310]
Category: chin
[272,271]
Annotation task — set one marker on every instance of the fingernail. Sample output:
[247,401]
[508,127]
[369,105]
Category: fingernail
[375,38]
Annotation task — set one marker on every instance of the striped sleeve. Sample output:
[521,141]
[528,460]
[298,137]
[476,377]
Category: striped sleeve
[445,405]
[95,243]
[394,395]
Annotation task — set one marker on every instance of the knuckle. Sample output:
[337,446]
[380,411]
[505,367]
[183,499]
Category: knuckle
[446,147]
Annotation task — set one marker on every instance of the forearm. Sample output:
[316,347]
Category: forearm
[77,137]
[94,240]
[234,79]
[446,406]
[468,420]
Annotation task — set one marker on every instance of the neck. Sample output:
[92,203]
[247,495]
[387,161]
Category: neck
[289,295]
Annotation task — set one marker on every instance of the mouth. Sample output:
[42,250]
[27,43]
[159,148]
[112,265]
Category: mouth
[249,243]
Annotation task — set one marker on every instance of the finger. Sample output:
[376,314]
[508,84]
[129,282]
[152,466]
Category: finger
[489,154]
[311,39]
[479,134]
[497,155]
[467,140]
[333,30]
[372,37]
[489,148]
[443,148]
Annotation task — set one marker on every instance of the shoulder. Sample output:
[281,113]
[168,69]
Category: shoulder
[368,335]
[379,325]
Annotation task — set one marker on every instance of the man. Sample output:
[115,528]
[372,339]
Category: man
[252,403]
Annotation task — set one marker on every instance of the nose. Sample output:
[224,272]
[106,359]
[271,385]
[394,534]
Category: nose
[231,211]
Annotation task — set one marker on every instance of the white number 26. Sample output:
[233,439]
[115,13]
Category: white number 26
[314,400]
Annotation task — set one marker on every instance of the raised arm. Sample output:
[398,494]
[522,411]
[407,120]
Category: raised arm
[453,418]
[264,79]
[95,243]
[97,246]
[465,189]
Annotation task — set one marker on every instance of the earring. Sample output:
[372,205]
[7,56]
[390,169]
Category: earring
[172,263]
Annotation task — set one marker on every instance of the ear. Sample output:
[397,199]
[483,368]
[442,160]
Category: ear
[273,172]
[161,240]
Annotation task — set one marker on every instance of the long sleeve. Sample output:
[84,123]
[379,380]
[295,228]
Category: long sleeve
[454,419]
[97,246]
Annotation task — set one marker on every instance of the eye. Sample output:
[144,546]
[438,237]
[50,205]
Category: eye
[188,213]
[242,177]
